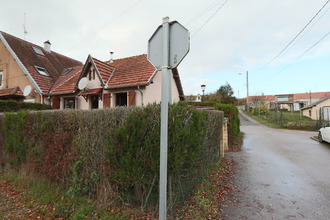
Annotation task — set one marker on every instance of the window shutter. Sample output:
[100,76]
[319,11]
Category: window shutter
[90,75]
[56,102]
[131,98]
[106,100]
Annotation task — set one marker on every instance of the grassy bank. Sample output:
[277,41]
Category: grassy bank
[287,120]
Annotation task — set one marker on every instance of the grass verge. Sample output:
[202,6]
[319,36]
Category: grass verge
[33,198]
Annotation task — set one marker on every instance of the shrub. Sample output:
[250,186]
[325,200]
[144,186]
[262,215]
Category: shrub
[231,112]
[134,149]
[13,128]
[86,150]
[14,106]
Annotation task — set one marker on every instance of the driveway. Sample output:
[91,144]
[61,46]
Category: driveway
[279,174]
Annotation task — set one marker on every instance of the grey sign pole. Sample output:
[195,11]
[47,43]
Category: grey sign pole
[166,48]
[164,120]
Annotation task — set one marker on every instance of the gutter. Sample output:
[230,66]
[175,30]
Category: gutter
[21,65]
[106,85]
[141,94]
[129,86]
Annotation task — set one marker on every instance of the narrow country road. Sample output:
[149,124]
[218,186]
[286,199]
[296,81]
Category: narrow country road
[279,174]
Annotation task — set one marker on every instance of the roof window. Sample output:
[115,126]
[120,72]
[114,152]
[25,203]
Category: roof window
[67,71]
[41,71]
[38,51]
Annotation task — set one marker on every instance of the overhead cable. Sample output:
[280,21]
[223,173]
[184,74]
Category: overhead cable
[294,37]
[210,19]
[104,26]
[298,58]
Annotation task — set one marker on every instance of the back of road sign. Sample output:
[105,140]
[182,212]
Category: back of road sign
[179,45]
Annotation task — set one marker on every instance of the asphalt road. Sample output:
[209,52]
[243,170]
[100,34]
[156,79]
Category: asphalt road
[279,174]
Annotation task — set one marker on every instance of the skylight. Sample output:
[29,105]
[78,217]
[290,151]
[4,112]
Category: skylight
[41,71]
[38,51]
[66,71]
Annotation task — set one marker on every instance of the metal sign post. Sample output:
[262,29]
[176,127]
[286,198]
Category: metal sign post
[164,121]
[166,49]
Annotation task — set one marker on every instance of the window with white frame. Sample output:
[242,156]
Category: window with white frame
[1,78]
[42,71]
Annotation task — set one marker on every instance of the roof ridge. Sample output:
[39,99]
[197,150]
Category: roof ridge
[36,45]
[104,62]
[128,57]
[73,75]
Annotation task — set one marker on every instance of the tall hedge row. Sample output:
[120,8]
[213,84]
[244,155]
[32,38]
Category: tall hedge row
[230,112]
[13,106]
[113,154]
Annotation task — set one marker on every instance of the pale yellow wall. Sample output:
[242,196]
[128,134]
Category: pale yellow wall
[315,110]
[13,75]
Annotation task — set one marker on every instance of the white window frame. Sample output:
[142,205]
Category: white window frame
[42,71]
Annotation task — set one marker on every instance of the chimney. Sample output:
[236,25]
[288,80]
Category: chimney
[111,57]
[47,46]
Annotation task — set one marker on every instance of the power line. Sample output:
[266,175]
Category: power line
[103,27]
[319,18]
[294,38]
[298,58]
[200,14]
[210,19]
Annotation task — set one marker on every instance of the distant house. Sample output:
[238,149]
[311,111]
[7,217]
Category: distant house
[319,109]
[289,102]
[66,83]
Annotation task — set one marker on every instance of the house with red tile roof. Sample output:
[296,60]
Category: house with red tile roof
[131,81]
[66,83]
[293,102]
[30,68]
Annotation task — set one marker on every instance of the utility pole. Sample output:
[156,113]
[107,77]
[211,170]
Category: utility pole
[247,92]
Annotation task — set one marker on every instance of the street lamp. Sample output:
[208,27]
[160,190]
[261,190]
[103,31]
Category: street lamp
[203,89]
[247,91]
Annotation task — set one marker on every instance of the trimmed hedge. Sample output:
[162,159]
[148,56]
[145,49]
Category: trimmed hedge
[14,106]
[230,111]
[113,154]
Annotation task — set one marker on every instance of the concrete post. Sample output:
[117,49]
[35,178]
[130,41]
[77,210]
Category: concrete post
[224,141]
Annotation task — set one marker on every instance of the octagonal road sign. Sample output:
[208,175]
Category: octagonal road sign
[179,45]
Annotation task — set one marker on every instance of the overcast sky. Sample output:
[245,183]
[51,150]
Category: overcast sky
[228,37]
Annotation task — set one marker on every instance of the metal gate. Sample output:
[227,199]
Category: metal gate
[325,111]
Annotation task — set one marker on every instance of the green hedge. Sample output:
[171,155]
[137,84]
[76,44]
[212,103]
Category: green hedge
[113,153]
[230,111]
[14,106]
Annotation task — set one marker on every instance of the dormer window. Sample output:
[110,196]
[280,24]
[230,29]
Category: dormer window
[41,71]
[66,71]
[38,51]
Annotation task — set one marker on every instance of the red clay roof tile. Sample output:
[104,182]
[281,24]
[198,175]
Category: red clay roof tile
[91,91]
[66,83]
[131,71]
[53,62]
[16,91]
